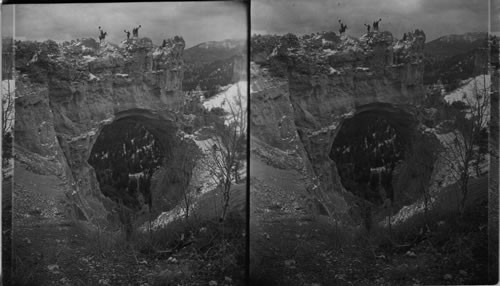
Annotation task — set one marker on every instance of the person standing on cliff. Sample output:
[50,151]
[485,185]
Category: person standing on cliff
[375,25]
[342,27]
[367,27]
[135,31]
[128,34]
[102,35]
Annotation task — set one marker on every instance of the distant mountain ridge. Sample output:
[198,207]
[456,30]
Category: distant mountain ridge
[451,45]
[471,37]
[453,58]
[213,64]
[214,50]
[226,44]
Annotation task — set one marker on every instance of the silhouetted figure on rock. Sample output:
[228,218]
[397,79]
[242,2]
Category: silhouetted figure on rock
[128,34]
[342,27]
[367,27]
[375,25]
[164,44]
[135,31]
[102,34]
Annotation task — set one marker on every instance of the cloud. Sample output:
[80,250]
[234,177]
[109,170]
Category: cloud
[436,18]
[7,17]
[495,16]
[203,21]
[195,21]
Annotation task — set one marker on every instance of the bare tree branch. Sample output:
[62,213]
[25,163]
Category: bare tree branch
[223,157]
[469,123]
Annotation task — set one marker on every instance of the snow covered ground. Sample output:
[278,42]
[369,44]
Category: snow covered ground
[233,100]
[468,91]
[444,174]
[230,100]
[84,135]
[88,58]
[8,88]
[6,83]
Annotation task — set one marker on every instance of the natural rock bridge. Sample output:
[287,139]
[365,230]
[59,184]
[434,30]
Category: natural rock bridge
[69,92]
[306,88]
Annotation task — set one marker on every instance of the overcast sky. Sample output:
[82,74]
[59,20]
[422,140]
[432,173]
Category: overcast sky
[495,16]
[435,17]
[196,22]
[203,21]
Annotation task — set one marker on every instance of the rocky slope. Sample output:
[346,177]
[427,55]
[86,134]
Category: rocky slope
[452,45]
[210,65]
[208,78]
[214,50]
[67,92]
[452,58]
[310,84]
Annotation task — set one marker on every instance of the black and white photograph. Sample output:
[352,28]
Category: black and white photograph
[124,156]
[369,151]
[250,142]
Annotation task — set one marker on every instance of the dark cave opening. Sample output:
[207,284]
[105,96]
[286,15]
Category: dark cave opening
[124,157]
[366,150]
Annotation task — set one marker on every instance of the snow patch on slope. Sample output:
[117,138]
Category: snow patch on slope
[232,100]
[472,94]
[466,93]
[228,97]
[8,85]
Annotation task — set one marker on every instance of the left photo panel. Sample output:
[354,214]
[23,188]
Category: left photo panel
[124,143]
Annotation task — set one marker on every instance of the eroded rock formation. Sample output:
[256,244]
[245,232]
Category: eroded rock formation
[67,92]
[316,81]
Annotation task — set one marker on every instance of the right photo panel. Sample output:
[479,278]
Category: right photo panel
[369,143]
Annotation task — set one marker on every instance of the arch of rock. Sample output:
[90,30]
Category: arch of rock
[381,75]
[60,119]
[400,119]
[318,144]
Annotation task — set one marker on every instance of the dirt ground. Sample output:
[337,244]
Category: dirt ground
[49,249]
[52,249]
[288,246]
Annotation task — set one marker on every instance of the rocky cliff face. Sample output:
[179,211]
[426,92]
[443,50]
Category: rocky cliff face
[67,92]
[323,79]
